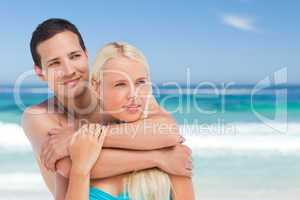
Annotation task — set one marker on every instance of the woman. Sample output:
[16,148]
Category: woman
[121,81]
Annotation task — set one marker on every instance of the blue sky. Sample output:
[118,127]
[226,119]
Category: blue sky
[219,40]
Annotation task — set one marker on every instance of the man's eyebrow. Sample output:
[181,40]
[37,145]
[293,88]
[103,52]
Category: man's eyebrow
[74,52]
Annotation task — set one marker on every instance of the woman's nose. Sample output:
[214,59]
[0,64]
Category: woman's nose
[132,93]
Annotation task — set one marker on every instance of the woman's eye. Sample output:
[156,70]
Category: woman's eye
[141,82]
[120,84]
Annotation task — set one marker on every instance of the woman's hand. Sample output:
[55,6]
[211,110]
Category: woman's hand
[85,147]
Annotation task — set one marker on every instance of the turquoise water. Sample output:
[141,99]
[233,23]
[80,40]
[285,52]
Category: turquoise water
[253,159]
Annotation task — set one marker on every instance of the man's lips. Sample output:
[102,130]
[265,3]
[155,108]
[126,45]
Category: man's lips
[71,82]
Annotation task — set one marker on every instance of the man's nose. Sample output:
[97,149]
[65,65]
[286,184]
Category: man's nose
[68,68]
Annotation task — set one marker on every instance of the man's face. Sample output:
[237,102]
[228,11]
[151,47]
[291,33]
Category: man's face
[64,64]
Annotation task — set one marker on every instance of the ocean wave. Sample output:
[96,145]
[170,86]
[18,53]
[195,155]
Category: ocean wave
[244,144]
[242,137]
[22,181]
[36,90]
[248,137]
[13,138]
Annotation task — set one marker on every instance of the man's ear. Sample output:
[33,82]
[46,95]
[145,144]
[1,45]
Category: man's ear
[86,53]
[39,72]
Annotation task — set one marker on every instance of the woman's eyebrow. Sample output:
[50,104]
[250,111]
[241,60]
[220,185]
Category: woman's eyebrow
[122,80]
[141,78]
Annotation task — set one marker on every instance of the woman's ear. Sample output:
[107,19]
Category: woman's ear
[39,72]
[96,87]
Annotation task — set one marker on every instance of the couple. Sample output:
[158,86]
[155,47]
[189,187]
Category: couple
[130,148]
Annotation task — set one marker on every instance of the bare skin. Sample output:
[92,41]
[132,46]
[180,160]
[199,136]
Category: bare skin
[80,175]
[84,149]
[183,188]
[63,53]
[112,162]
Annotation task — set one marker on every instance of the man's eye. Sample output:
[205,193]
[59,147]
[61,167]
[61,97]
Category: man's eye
[53,64]
[75,56]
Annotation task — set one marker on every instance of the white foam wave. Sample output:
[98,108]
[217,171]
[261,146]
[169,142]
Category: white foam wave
[241,128]
[283,144]
[22,181]
[243,137]
[13,138]
[250,137]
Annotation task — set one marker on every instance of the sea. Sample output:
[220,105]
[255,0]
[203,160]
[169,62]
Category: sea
[245,142]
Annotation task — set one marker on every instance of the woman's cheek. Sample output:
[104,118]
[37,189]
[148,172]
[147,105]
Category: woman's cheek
[114,100]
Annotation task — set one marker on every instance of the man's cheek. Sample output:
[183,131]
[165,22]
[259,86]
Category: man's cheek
[83,67]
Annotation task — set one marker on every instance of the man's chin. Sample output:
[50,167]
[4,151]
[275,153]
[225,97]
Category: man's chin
[73,92]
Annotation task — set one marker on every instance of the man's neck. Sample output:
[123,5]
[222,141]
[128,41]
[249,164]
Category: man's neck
[84,106]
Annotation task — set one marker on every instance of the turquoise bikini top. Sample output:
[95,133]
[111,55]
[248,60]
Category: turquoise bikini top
[98,194]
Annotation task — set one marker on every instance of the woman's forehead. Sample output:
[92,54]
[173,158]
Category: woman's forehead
[122,67]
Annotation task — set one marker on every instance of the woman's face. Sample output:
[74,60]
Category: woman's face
[124,88]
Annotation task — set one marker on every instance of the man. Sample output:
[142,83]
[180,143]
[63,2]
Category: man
[60,58]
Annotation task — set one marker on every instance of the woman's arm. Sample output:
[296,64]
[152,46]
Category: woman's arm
[79,185]
[182,188]
[85,149]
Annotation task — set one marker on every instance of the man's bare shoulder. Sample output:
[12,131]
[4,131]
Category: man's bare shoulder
[37,108]
[40,110]
[38,114]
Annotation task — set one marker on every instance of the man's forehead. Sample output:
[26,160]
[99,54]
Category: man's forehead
[59,45]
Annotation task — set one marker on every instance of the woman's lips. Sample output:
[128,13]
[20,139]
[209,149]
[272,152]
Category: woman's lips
[133,108]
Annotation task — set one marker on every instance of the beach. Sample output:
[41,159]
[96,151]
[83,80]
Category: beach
[236,155]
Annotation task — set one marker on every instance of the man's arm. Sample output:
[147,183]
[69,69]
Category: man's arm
[114,162]
[111,162]
[36,122]
[61,187]
[157,131]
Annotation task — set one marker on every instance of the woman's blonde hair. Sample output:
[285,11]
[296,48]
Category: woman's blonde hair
[151,184]
[113,50]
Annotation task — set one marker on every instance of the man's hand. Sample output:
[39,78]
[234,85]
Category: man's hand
[56,146]
[176,160]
